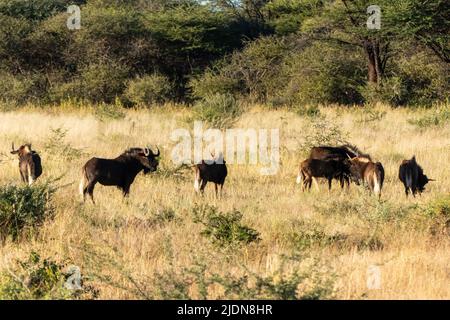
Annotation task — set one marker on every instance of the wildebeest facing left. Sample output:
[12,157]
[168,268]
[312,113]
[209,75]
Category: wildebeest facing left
[214,171]
[412,176]
[371,174]
[119,172]
[29,163]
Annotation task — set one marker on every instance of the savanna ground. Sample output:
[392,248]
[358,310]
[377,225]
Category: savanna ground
[311,245]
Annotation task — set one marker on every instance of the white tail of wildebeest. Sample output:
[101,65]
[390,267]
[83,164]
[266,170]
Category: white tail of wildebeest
[30,166]
[412,176]
[367,172]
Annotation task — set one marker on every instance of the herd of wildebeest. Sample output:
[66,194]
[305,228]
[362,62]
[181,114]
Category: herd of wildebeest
[344,163]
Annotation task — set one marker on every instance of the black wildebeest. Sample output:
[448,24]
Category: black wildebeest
[214,171]
[333,164]
[412,176]
[29,163]
[119,172]
[371,174]
[314,168]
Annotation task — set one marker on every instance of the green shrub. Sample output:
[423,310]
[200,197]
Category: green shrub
[19,90]
[219,110]
[224,229]
[392,92]
[24,208]
[438,211]
[56,145]
[214,82]
[322,132]
[37,278]
[149,89]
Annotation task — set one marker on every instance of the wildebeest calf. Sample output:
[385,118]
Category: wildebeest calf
[314,168]
[412,176]
[119,172]
[29,163]
[371,174]
[214,171]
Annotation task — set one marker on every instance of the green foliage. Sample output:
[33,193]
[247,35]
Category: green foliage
[321,132]
[40,279]
[438,211]
[23,209]
[149,90]
[56,145]
[219,110]
[213,82]
[224,229]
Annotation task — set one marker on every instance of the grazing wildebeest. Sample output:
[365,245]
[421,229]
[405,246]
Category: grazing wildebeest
[339,154]
[371,174]
[329,169]
[119,172]
[29,163]
[214,171]
[412,176]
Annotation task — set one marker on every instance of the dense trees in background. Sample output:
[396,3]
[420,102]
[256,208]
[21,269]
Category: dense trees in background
[279,52]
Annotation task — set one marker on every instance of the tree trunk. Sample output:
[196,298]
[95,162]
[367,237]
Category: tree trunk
[374,63]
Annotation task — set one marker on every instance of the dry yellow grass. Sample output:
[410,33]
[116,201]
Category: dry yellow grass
[112,244]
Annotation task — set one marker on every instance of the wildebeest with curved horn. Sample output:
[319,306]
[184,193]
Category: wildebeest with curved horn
[365,171]
[214,171]
[29,163]
[119,172]
[412,176]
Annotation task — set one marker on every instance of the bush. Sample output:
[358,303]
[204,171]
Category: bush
[322,132]
[437,117]
[219,110]
[439,213]
[19,90]
[56,145]
[24,208]
[224,229]
[148,90]
[214,82]
[391,92]
[37,278]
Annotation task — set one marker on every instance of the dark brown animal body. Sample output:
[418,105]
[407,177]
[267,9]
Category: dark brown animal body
[119,172]
[214,171]
[412,176]
[30,166]
[371,174]
[314,168]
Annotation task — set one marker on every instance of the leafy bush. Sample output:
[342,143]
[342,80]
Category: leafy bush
[24,208]
[37,278]
[439,213]
[148,90]
[214,82]
[322,132]
[224,229]
[219,110]
[19,90]
[56,145]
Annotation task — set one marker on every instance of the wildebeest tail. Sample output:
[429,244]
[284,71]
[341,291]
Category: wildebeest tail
[83,181]
[378,178]
[197,178]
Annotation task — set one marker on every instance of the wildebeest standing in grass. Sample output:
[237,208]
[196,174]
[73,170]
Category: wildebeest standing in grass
[214,171]
[371,174]
[329,169]
[29,163]
[412,176]
[119,172]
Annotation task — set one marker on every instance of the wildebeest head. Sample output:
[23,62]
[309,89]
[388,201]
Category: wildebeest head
[147,158]
[22,151]
[355,166]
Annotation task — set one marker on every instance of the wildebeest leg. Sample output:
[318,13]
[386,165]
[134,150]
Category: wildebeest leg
[221,190]
[90,190]
[330,181]
[203,186]
[407,191]
[24,178]
[216,188]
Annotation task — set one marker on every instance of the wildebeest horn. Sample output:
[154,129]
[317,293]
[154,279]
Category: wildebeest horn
[13,147]
[159,152]
[146,152]
[431,179]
